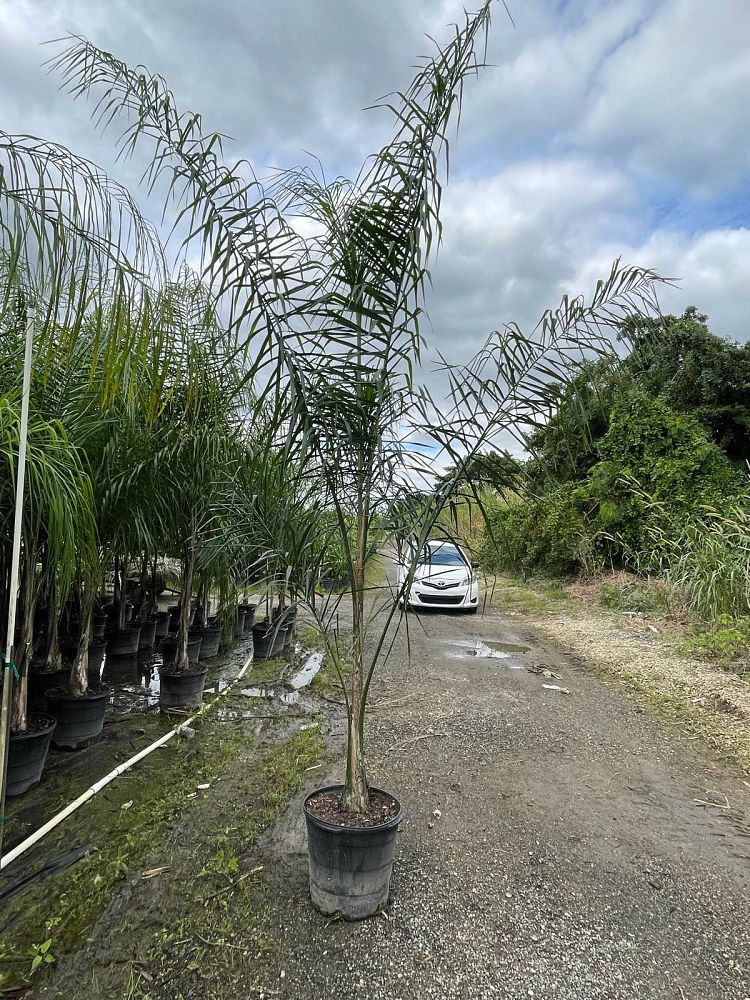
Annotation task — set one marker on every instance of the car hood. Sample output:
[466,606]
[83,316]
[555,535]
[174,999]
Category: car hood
[441,574]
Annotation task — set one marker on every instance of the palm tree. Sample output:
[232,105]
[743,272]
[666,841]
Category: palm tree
[334,321]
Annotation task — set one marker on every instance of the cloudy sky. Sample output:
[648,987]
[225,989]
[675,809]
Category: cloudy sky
[602,128]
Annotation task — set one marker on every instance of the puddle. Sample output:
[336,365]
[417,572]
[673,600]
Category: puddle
[271,692]
[299,680]
[308,670]
[490,650]
[503,647]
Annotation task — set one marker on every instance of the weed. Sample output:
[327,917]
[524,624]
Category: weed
[41,954]
[648,597]
[726,642]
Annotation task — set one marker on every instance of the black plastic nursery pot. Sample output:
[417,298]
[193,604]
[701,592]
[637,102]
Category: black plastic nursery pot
[263,641]
[210,639]
[27,754]
[174,617]
[79,720]
[181,688]
[97,649]
[239,625]
[98,625]
[125,642]
[279,640]
[162,624]
[350,867]
[169,649]
[42,681]
[147,638]
[249,610]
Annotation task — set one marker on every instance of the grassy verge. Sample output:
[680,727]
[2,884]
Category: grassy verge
[118,827]
[153,818]
[218,929]
[627,634]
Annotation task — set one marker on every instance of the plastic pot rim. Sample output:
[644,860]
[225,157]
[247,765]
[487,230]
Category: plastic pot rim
[321,824]
[65,694]
[27,735]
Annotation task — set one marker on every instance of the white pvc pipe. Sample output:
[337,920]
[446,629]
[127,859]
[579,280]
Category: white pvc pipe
[14,566]
[120,769]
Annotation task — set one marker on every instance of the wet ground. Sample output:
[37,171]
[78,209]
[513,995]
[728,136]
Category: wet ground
[558,842]
[57,888]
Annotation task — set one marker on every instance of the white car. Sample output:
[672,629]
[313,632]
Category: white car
[443,578]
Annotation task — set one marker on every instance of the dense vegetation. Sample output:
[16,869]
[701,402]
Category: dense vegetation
[639,463]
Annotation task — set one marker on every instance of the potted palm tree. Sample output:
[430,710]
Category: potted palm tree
[335,321]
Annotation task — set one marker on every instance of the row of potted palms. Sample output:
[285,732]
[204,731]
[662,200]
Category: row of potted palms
[157,469]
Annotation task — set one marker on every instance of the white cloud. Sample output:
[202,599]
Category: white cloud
[709,270]
[584,103]
[673,98]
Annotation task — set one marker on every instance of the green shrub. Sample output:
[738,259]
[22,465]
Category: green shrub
[548,535]
[652,457]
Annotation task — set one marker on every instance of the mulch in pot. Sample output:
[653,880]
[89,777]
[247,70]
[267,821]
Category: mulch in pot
[329,808]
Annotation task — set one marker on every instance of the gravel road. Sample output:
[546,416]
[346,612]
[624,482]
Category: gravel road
[563,845]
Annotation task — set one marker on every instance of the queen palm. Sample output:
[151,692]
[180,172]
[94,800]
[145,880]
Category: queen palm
[334,321]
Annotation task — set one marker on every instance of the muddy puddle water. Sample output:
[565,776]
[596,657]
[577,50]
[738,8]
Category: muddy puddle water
[301,678]
[486,649]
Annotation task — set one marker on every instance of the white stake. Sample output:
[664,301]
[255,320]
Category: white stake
[13,593]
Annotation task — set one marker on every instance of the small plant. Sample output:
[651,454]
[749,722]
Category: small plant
[649,597]
[726,642]
[224,862]
[41,954]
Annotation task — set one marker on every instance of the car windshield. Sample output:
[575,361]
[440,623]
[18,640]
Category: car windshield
[441,555]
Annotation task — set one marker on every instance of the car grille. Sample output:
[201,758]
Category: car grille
[441,598]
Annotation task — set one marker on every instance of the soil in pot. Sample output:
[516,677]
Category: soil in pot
[179,689]
[79,720]
[27,754]
[263,640]
[125,642]
[147,637]
[350,855]
[210,639]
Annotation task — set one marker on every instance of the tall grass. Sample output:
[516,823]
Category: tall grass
[706,560]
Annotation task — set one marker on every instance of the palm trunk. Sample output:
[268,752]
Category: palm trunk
[144,611]
[356,794]
[23,648]
[123,593]
[186,589]
[79,675]
[116,591]
[54,653]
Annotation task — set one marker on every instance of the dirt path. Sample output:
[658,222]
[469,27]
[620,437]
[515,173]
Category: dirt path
[555,845]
